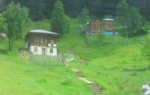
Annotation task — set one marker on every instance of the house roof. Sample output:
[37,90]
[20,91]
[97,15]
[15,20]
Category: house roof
[108,19]
[43,31]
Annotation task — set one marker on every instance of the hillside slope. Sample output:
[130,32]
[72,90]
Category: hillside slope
[119,67]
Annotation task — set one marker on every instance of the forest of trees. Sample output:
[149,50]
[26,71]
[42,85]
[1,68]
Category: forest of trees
[40,9]
[131,16]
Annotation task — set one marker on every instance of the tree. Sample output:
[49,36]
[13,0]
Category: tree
[135,22]
[122,12]
[95,7]
[58,18]
[109,7]
[17,20]
[48,7]
[84,16]
[99,8]
[67,24]
[37,8]
[123,15]
[3,25]
[72,7]
[129,18]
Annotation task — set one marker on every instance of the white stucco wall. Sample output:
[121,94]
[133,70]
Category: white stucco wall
[40,51]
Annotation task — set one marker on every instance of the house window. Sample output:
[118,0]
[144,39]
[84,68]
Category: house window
[35,40]
[35,49]
[51,41]
[109,25]
[94,26]
[41,41]
[38,40]
[106,25]
[45,41]
[51,50]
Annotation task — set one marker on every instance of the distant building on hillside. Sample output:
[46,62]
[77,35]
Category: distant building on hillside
[42,42]
[108,26]
[96,26]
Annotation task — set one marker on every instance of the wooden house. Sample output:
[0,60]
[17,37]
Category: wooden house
[96,26]
[42,42]
[108,26]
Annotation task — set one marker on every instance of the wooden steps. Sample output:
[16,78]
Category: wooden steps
[97,90]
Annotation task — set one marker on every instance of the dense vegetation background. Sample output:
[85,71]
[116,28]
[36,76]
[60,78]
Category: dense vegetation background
[119,64]
[40,9]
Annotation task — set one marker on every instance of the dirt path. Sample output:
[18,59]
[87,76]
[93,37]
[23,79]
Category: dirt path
[97,90]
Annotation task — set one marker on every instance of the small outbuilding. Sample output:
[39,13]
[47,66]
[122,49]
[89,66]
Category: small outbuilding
[96,26]
[42,42]
[108,26]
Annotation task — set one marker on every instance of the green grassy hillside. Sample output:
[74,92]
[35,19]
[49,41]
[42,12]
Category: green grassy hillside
[118,67]
[26,77]
[20,77]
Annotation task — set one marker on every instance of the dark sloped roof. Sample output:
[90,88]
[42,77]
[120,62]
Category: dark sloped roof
[41,32]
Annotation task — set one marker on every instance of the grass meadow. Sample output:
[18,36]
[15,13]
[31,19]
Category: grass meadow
[117,66]
[21,77]
[27,77]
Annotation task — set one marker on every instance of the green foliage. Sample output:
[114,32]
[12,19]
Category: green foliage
[67,24]
[84,16]
[122,13]
[129,19]
[40,9]
[28,78]
[37,8]
[58,18]
[97,40]
[135,22]
[146,27]
[46,61]
[17,21]
[102,36]
[116,67]
[44,24]
[146,50]
[3,25]
[73,7]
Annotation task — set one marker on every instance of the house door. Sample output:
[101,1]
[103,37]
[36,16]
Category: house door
[43,51]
